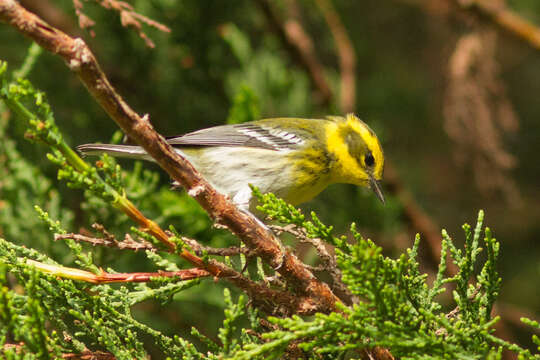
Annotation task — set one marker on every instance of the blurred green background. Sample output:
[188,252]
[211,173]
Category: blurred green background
[453,98]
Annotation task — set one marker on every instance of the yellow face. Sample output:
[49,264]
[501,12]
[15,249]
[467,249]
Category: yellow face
[358,153]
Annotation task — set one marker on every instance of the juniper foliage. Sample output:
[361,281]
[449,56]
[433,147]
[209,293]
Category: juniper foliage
[396,307]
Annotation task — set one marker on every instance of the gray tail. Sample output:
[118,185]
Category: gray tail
[126,151]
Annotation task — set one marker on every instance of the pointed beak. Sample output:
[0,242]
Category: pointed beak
[376,187]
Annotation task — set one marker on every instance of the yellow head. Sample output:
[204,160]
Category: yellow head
[358,153]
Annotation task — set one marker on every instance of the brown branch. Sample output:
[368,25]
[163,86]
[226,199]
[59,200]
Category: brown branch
[274,302]
[328,261]
[493,11]
[9,346]
[301,48]
[89,355]
[347,56]
[105,277]
[84,355]
[127,244]
[184,274]
[128,18]
[319,268]
[455,312]
[504,18]
[229,251]
[51,13]
[80,60]
[271,301]
[377,353]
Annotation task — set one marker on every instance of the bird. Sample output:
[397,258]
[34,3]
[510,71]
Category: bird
[294,158]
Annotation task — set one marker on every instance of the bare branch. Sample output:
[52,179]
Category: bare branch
[109,241]
[84,355]
[230,251]
[504,18]
[89,355]
[105,277]
[52,13]
[301,48]
[128,18]
[347,56]
[329,263]
[494,12]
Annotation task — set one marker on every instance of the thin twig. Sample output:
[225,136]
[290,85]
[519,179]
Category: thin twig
[127,244]
[83,355]
[504,18]
[301,48]
[455,311]
[53,14]
[229,251]
[316,268]
[105,277]
[128,18]
[329,263]
[495,12]
[347,56]
[89,355]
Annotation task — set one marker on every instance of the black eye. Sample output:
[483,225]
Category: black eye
[369,160]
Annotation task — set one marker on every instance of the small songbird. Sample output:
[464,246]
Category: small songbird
[293,158]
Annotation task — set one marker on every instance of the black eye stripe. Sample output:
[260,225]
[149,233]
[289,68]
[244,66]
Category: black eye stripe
[369,160]
[359,150]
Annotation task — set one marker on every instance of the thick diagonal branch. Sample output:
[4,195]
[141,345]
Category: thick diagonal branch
[81,61]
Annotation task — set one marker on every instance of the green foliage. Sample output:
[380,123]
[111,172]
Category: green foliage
[397,307]
[101,316]
[232,313]
[276,209]
[23,319]
[285,91]
[42,128]
[26,184]
[245,107]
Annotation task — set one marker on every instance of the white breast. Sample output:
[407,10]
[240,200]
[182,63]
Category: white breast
[231,169]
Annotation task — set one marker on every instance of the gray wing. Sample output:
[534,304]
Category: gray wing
[248,135]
